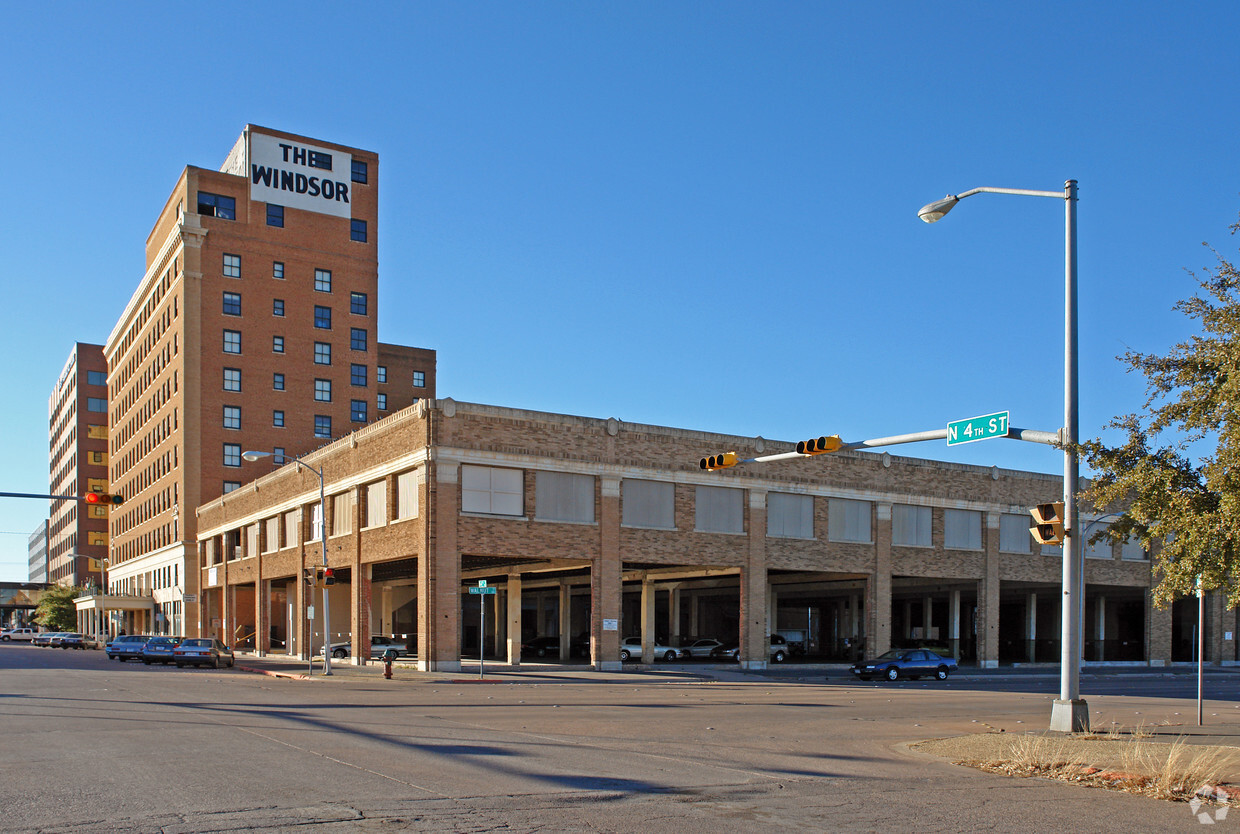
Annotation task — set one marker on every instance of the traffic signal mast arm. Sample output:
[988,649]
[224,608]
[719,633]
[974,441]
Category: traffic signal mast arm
[99,497]
[833,443]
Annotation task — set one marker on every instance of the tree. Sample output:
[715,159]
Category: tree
[56,611]
[1176,477]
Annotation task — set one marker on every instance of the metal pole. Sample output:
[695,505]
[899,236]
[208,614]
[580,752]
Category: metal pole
[1201,646]
[482,633]
[327,614]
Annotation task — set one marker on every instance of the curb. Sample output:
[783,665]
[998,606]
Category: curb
[271,674]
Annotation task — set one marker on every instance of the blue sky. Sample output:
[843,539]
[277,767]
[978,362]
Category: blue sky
[699,215]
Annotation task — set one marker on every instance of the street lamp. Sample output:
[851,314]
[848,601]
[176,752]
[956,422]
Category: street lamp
[327,614]
[1070,713]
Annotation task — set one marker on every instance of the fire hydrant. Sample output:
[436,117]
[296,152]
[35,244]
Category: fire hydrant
[388,657]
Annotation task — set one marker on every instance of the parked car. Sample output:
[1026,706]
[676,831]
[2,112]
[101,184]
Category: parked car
[160,649]
[632,647]
[937,646]
[732,651]
[127,647]
[541,647]
[378,645]
[45,638]
[69,640]
[17,634]
[701,648]
[905,663]
[202,651]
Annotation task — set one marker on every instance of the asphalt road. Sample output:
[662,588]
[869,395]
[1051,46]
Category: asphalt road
[93,745]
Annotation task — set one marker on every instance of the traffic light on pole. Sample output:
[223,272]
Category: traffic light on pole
[307,575]
[820,445]
[329,576]
[103,498]
[319,579]
[723,460]
[1047,523]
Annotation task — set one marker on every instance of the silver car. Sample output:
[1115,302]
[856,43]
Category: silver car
[202,651]
[632,647]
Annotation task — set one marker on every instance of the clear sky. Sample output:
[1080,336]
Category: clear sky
[699,215]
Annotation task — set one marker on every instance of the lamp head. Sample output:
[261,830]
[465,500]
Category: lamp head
[932,212]
[253,456]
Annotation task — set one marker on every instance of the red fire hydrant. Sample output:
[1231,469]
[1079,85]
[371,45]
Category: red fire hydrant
[388,657]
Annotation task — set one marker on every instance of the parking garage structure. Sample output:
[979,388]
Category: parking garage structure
[592,530]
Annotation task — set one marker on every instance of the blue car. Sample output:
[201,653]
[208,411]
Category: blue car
[159,649]
[905,663]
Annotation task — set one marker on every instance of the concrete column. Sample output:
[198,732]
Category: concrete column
[953,623]
[1031,627]
[988,597]
[439,575]
[772,611]
[878,587]
[927,616]
[648,625]
[262,613]
[1100,615]
[906,626]
[359,587]
[605,582]
[673,614]
[1216,608]
[513,624]
[566,622]
[695,626]
[1157,632]
[754,616]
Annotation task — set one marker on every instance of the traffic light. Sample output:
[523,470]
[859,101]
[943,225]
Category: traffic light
[307,575]
[329,576]
[820,445]
[1047,523]
[318,578]
[720,461]
[103,498]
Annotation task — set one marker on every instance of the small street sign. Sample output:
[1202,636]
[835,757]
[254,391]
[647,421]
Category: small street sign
[977,428]
[482,590]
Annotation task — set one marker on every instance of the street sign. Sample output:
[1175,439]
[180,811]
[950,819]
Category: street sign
[189,598]
[482,590]
[977,428]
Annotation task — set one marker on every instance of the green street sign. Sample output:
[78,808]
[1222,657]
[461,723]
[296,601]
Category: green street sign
[977,428]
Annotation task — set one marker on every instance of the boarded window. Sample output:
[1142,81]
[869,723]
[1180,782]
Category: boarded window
[911,526]
[273,534]
[648,504]
[407,494]
[962,529]
[486,489]
[719,510]
[342,513]
[560,496]
[376,504]
[849,520]
[1014,533]
[251,540]
[789,516]
[290,529]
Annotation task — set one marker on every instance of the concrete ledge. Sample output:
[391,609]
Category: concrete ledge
[273,674]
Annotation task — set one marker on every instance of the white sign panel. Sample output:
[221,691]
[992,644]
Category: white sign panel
[300,176]
[212,576]
[611,625]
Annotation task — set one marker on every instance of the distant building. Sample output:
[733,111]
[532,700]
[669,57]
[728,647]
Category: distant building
[78,463]
[37,548]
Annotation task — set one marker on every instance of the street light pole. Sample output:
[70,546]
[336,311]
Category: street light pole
[327,616]
[1070,713]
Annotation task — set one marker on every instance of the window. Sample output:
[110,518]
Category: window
[848,520]
[277,419]
[1014,533]
[487,489]
[97,404]
[357,303]
[323,280]
[277,270]
[232,379]
[323,390]
[719,510]
[277,382]
[647,504]
[419,379]
[277,307]
[1133,550]
[229,486]
[232,266]
[275,215]
[789,516]
[357,230]
[316,523]
[1100,549]
[357,375]
[376,504]
[357,411]
[232,454]
[232,341]
[278,455]
[561,496]
[290,529]
[271,539]
[381,374]
[217,205]
[96,378]
[962,529]
[382,402]
[911,526]
[407,494]
[357,338]
[322,425]
[232,303]
[342,513]
[322,353]
[359,172]
[232,417]
[323,317]
[277,344]
[97,432]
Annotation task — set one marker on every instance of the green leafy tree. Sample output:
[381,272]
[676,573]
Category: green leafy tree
[1176,476]
[56,611]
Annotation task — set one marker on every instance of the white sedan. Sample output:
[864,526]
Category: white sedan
[632,647]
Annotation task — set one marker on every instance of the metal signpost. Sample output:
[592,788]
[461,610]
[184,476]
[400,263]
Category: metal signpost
[482,590]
